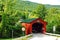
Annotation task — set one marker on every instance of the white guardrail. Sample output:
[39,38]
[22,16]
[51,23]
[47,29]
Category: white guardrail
[52,34]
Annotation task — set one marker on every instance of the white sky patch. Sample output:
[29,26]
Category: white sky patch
[51,2]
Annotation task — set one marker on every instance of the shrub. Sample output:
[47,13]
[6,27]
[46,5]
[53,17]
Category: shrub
[58,29]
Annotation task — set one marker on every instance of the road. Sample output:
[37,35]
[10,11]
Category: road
[38,36]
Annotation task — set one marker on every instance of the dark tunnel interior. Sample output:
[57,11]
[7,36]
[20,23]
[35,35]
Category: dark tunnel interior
[37,27]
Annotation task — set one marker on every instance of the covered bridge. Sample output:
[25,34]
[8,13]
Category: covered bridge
[34,25]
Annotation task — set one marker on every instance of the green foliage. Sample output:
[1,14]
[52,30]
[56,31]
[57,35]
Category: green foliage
[52,18]
[10,20]
[58,29]
[49,28]
[41,11]
[1,7]
[13,11]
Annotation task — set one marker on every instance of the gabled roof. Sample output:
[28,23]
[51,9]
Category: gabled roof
[28,20]
[31,20]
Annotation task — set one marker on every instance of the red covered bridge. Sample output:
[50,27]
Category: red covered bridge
[34,25]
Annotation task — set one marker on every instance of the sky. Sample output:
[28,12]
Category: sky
[51,2]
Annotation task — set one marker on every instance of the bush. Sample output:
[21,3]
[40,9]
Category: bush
[10,23]
[58,29]
[49,28]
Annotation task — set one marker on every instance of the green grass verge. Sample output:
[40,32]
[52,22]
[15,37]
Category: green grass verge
[24,38]
[15,39]
[5,39]
[20,38]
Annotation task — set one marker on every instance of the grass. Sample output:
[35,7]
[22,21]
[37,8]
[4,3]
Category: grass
[20,38]
[5,39]
[23,38]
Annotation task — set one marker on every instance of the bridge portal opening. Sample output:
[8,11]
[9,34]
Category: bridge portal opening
[37,27]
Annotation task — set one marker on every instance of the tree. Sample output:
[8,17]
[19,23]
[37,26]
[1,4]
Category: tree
[52,18]
[40,11]
[9,19]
